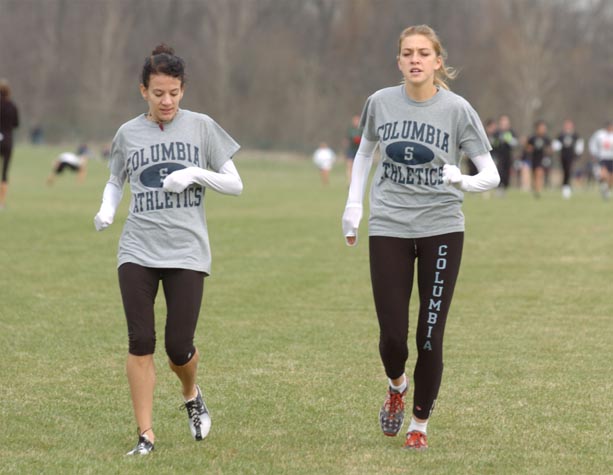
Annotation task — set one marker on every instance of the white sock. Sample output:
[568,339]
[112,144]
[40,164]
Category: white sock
[401,387]
[191,398]
[418,426]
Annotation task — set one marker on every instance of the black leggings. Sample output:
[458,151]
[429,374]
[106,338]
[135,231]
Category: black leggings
[392,263]
[6,150]
[504,169]
[183,290]
[567,166]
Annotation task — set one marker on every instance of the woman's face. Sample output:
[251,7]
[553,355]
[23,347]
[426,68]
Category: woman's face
[504,123]
[418,61]
[163,96]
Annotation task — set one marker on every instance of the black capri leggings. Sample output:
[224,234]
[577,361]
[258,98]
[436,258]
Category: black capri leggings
[392,263]
[183,290]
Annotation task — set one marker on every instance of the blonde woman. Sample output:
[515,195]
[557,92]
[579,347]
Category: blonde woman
[422,129]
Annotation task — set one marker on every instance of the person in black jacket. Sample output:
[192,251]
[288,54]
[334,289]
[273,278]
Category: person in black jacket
[538,148]
[9,120]
[570,145]
[504,143]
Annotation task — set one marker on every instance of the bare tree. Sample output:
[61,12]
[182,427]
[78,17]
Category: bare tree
[290,73]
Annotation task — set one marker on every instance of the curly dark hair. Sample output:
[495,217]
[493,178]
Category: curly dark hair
[163,61]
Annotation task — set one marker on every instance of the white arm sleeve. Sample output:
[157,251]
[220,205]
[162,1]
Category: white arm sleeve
[486,179]
[360,171]
[359,178]
[111,197]
[593,145]
[579,147]
[227,181]
[556,145]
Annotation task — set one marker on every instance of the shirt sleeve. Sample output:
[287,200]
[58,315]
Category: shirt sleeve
[117,162]
[472,138]
[219,145]
[367,121]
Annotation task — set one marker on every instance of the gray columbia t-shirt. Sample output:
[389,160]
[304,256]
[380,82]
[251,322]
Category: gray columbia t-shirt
[163,229]
[408,198]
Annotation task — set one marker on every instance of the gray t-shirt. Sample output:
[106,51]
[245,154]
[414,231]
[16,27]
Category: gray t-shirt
[408,198]
[163,229]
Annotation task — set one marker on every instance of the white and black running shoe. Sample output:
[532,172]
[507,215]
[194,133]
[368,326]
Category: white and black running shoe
[198,415]
[143,447]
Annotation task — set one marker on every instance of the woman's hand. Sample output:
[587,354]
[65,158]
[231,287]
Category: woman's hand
[451,175]
[178,180]
[351,223]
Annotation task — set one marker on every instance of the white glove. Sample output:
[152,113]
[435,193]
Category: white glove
[104,218]
[178,180]
[351,222]
[452,175]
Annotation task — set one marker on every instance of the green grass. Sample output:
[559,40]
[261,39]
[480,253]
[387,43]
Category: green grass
[290,368]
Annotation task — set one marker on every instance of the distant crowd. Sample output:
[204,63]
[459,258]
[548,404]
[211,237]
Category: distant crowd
[529,162]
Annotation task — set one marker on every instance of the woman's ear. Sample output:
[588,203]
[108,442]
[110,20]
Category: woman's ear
[439,63]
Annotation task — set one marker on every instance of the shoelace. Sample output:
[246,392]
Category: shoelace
[395,403]
[194,409]
[415,439]
[144,446]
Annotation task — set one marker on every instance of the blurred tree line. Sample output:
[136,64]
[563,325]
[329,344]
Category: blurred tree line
[290,73]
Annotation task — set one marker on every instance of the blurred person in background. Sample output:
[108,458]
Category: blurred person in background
[9,120]
[523,166]
[75,162]
[601,148]
[491,129]
[352,142]
[570,147]
[37,136]
[504,142]
[105,151]
[324,157]
[538,147]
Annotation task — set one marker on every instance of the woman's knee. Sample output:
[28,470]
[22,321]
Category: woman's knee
[393,344]
[179,351]
[141,344]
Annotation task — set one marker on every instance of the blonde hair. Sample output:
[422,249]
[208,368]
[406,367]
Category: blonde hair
[444,73]
[5,90]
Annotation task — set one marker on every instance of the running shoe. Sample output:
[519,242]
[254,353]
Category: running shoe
[143,447]
[198,415]
[391,415]
[416,440]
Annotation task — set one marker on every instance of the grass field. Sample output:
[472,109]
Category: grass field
[290,370]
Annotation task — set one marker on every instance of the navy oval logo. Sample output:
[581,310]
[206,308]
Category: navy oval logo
[153,176]
[409,153]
